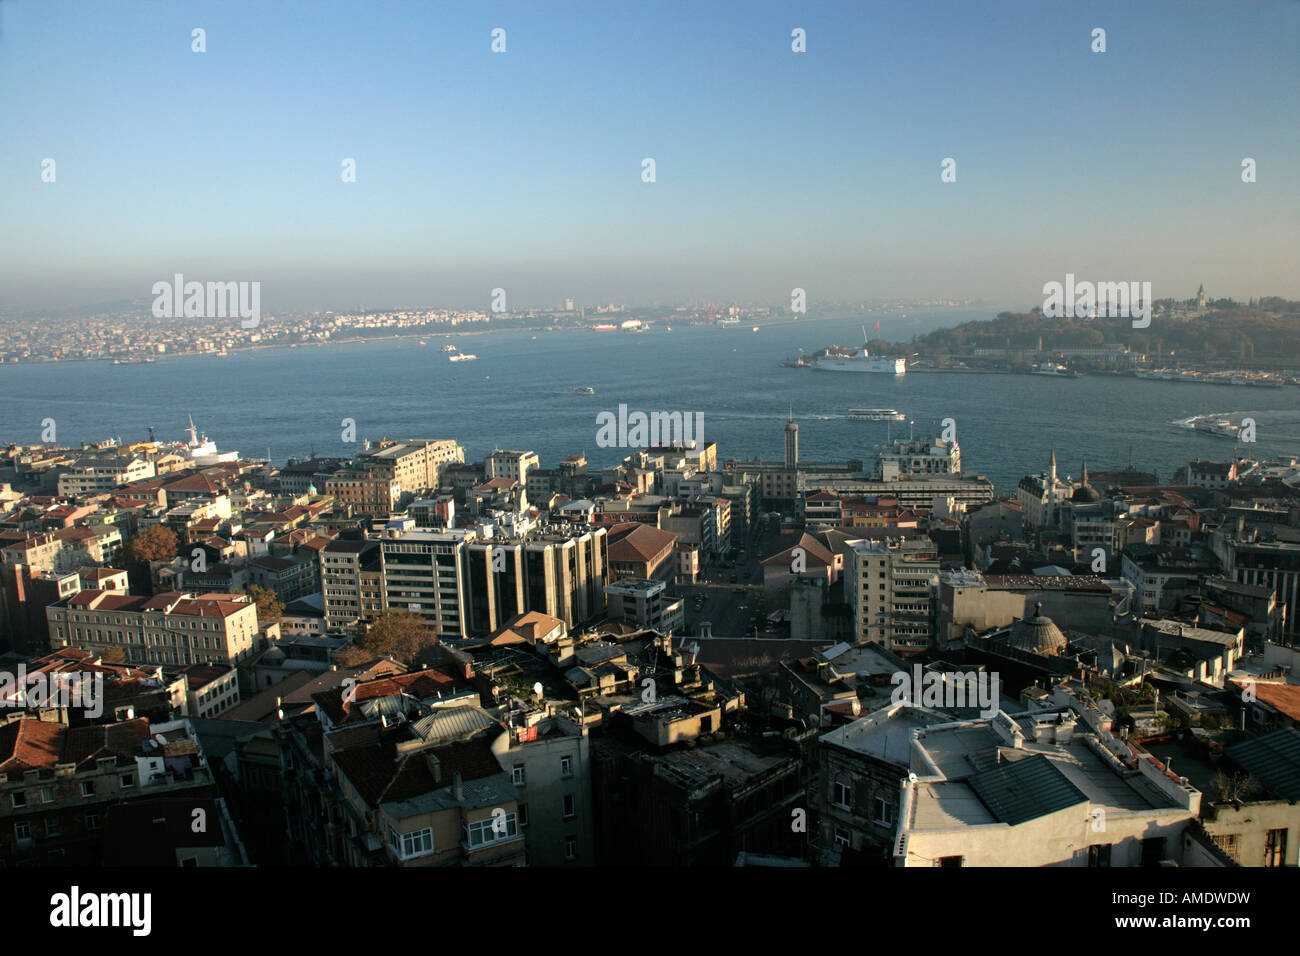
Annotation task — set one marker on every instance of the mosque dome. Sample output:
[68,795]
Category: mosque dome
[1037,635]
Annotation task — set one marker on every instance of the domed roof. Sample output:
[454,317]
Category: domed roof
[1037,635]
[1085,493]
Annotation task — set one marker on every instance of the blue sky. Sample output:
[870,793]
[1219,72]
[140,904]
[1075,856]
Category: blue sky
[522,170]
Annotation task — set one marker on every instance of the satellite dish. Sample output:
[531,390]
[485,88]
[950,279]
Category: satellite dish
[537,689]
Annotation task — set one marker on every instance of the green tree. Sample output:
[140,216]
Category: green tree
[269,607]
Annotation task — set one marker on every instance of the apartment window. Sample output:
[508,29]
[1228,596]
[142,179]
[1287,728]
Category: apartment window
[517,775]
[570,847]
[949,861]
[128,781]
[884,812]
[417,843]
[566,766]
[523,814]
[52,826]
[92,821]
[19,798]
[481,832]
[1227,842]
[22,831]
[569,809]
[1099,854]
[841,795]
[47,794]
[1275,847]
[842,837]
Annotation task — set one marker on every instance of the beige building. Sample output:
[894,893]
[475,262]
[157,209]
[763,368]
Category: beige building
[415,464]
[890,586]
[169,628]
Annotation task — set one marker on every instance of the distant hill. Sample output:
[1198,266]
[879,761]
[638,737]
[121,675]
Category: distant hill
[1268,328]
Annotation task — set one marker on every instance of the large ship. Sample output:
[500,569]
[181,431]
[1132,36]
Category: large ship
[858,360]
[876,415]
[1218,425]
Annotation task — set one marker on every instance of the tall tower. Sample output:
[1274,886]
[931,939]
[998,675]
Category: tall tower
[791,442]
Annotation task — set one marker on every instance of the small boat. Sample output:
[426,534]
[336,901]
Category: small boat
[445,348]
[584,390]
[421,343]
[462,357]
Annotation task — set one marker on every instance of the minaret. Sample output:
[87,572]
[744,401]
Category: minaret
[791,442]
[1085,473]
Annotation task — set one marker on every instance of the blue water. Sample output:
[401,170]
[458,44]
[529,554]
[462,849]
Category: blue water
[519,394]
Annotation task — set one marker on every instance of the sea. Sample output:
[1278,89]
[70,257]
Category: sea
[520,394]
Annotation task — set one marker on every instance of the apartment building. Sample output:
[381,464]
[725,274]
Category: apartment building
[425,572]
[94,475]
[549,762]
[359,492]
[890,585]
[346,564]
[414,464]
[65,793]
[405,776]
[1050,788]
[566,573]
[511,464]
[906,458]
[644,604]
[170,628]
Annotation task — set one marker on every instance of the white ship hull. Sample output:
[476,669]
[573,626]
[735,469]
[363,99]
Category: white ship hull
[879,366]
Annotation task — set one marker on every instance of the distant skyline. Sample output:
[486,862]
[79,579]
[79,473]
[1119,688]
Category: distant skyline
[523,170]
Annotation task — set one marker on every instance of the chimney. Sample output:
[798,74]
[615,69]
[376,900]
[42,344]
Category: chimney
[457,785]
[435,767]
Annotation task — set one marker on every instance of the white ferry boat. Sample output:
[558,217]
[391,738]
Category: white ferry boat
[859,360]
[462,357]
[876,415]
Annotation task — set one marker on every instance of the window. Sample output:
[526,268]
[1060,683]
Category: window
[19,798]
[417,843]
[88,788]
[52,826]
[1099,854]
[841,795]
[47,794]
[523,814]
[566,766]
[92,821]
[128,781]
[570,848]
[22,831]
[884,812]
[950,860]
[569,810]
[517,775]
[1275,847]
[481,832]
[842,837]
[1227,842]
